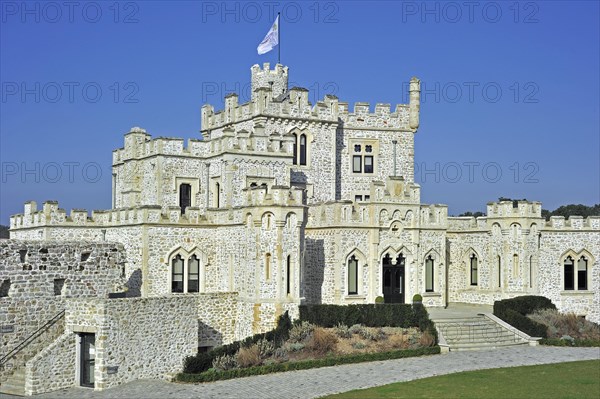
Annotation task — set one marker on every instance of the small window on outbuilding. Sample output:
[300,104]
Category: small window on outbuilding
[59,284]
[23,255]
[4,288]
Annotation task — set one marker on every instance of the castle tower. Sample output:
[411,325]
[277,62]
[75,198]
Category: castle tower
[275,79]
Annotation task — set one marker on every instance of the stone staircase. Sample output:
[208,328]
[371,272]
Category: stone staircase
[478,332]
[14,383]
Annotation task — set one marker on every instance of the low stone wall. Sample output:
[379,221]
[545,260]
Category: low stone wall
[137,338]
[217,318]
[53,368]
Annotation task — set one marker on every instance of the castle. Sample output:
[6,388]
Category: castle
[280,203]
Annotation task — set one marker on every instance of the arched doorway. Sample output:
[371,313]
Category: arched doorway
[393,279]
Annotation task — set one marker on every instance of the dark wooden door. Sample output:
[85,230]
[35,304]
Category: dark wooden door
[87,360]
[393,279]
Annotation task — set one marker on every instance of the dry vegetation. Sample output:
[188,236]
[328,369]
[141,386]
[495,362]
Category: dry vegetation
[562,325]
[308,341]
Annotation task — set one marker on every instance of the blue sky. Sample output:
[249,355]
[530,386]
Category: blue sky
[510,104]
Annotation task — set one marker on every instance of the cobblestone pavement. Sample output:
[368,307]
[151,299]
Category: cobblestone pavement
[323,381]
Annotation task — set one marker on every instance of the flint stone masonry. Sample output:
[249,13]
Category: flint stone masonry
[32,268]
[144,337]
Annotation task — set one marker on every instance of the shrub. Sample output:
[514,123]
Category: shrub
[342,331]
[379,299]
[513,312]
[248,357]
[427,339]
[322,341]
[398,341]
[301,332]
[265,348]
[225,362]
[356,329]
[368,334]
[358,345]
[417,298]
[281,354]
[295,346]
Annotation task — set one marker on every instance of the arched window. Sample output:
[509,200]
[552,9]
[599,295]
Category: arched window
[295,161]
[268,266]
[515,265]
[177,274]
[302,149]
[582,273]
[352,276]
[288,279]
[193,274]
[185,196]
[429,274]
[569,274]
[473,268]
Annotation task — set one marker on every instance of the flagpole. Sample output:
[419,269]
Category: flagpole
[279,38]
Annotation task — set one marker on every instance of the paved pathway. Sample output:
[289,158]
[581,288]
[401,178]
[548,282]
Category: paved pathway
[323,381]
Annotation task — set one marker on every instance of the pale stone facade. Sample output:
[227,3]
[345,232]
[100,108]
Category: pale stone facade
[283,202]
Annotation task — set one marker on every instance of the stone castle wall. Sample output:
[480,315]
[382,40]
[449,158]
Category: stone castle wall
[39,276]
[146,338]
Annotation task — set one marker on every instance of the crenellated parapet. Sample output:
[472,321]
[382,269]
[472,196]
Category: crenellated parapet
[139,144]
[395,190]
[275,196]
[559,223]
[255,142]
[514,209]
[272,98]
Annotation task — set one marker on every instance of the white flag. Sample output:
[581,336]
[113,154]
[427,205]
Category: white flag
[271,40]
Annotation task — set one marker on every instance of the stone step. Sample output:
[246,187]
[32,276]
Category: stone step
[472,347]
[507,340]
[12,389]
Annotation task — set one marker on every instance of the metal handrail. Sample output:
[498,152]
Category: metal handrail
[28,340]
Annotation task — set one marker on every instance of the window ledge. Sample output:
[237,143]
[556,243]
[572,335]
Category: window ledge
[577,293]
[431,294]
[355,296]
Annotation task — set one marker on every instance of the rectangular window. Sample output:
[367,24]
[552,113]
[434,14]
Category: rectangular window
[356,164]
[193,274]
[353,276]
[177,281]
[569,275]
[185,196]
[368,164]
[582,274]
[429,275]
[367,197]
[59,283]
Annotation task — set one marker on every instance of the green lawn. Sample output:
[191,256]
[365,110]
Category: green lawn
[577,380]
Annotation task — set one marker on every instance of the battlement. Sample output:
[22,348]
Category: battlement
[269,100]
[395,190]
[51,215]
[141,145]
[573,223]
[514,209]
[483,223]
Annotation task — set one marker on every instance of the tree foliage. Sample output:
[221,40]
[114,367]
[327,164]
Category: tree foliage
[3,231]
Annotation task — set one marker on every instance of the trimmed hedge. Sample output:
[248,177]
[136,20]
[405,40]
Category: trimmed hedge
[380,315]
[203,361]
[514,311]
[213,375]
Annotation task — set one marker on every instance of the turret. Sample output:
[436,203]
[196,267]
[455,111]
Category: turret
[276,79]
[415,102]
